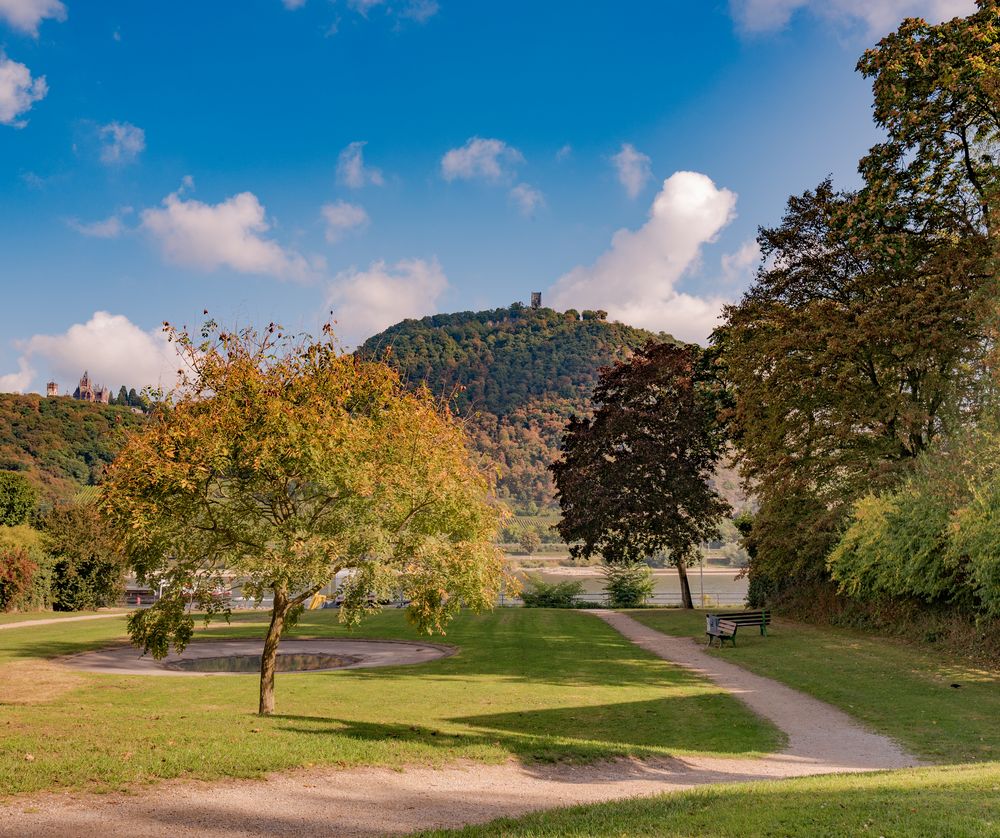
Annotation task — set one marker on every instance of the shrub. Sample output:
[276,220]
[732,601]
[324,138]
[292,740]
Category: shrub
[17,499]
[25,570]
[17,572]
[628,585]
[89,568]
[538,593]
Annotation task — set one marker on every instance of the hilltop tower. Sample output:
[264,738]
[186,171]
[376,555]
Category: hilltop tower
[51,389]
[536,299]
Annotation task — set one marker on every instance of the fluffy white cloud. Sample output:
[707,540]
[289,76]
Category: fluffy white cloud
[738,267]
[27,14]
[113,349]
[527,198]
[108,228]
[635,280]
[121,142]
[223,235]
[633,169]
[352,171]
[480,159]
[20,381]
[879,17]
[365,302]
[18,91]
[342,217]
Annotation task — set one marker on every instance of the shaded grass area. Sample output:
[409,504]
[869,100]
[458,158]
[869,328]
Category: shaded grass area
[957,801]
[901,689]
[532,684]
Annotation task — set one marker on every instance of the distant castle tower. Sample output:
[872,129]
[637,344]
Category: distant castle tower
[87,392]
[51,389]
[536,299]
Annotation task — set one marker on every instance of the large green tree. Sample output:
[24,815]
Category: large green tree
[285,462]
[633,481]
[17,499]
[867,332]
[88,565]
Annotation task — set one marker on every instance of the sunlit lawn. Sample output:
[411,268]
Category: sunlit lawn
[957,802]
[532,684]
[902,689]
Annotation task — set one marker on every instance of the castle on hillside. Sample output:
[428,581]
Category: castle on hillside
[87,392]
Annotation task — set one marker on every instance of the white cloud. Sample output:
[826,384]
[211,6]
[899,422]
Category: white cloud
[26,15]
[527,198]
[879,17]
[366,302]
[342,217]
[420,10]
[20,381]
[362,7]
[635,280]
[293,4]
[18,91]
[121,142]
[739,266]
[633,169]
[223,235]
[109,346]
[108,228]
[564,153]
[480,159]
[352,171]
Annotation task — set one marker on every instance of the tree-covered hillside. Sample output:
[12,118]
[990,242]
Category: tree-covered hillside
[517,373]
[59,444]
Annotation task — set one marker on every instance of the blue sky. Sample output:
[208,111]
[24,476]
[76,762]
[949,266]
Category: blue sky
[279,159]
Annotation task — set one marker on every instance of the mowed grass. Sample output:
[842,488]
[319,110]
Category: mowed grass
[31,616]
[958,802]
[536,685]
[901,689]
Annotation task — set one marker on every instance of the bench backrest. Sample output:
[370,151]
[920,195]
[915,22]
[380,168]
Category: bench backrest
[746,618]
[727,628]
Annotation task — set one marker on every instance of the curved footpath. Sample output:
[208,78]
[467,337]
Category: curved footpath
[51,621]
[371,801]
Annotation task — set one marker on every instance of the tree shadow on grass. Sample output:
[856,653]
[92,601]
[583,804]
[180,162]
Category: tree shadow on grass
[708,724]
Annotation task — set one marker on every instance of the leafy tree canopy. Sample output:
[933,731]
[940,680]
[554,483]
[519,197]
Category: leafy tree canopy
[17,499]
[284,462]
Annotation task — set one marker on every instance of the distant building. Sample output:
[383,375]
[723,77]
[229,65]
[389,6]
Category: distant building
[87,392]
[51,389]
[536,299]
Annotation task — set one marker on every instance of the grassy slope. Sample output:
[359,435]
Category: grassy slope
[959,802]
[899,688]
[537,685]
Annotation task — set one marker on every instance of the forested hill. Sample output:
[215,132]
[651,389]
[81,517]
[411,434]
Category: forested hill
[59,444]
[517,372]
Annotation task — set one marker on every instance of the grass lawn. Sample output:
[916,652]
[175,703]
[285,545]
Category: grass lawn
[899,688]
[957,801]
[45,615]
[533,684]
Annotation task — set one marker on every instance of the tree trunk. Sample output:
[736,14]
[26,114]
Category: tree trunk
[269,656]
[685,586]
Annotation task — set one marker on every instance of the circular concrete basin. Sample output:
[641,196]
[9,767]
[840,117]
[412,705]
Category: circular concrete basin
[242,657]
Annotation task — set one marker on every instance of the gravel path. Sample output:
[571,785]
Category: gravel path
[371,801]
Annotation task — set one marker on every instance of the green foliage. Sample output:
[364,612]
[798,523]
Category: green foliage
[935,538]
[88,564]
[25,568]
[17,499]
[285,462]
[538,593]
[627,585]
[60,444]
[529,541]
[515,374]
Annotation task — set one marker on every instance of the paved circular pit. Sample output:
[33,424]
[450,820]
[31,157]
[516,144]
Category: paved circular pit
[341,654]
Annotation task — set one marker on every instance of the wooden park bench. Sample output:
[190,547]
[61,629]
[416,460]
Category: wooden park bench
[721,630]
[747,618]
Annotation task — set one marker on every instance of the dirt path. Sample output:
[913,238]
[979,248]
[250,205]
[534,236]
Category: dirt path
[369,801]
[51,621]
